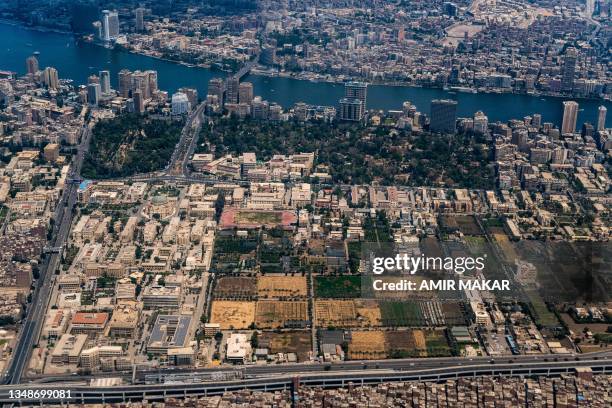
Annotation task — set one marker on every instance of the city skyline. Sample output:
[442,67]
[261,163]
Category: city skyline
[295,203]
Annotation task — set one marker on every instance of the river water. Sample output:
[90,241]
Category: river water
[78,60]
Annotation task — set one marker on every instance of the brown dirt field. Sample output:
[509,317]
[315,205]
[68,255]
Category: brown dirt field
[591,348]
[232,314]
[504,243]
[399,340]
[298,342]
[406,341]
[281,286]
[454,313]
[468,225]
[235,287]
[340,313]
[369,313]
[367,345]
[419,339]
[271,314]
[403,341]
[579,327]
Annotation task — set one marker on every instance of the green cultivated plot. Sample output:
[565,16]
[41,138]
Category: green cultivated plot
[354,253]
[337,286]
[258,217]
[437,345]
[401,314]
[542,315]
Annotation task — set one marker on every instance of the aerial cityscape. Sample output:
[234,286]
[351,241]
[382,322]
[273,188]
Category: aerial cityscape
[341,203]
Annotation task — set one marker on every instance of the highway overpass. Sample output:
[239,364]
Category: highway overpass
[83,394]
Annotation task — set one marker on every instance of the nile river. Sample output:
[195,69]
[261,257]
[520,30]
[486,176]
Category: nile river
[78,60]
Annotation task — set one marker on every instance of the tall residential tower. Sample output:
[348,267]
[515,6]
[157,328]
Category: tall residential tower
[601,118]
[570,117]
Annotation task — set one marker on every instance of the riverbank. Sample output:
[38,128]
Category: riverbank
[312,77]
[318,78]
[80,59]
[41,29]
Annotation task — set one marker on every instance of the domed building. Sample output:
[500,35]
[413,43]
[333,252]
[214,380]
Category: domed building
[161,205]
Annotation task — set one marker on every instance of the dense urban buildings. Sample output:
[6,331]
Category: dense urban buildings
[175,242]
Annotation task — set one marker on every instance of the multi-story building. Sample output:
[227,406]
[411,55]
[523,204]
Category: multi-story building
[110,25]
[169,331]
[569,69]
[125,320]
[93,94]
[125,82]
[601,118]
[350,109]
[180,104]
[570,117]
[161,297]
[32,65]
[88,323]
[139,19]
[105,85]
[245,92]
[232,94]
[216,87]
[50,78]
[356,90]
[443,116]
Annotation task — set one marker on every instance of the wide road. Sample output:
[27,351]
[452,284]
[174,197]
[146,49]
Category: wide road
[189,135]
[282,381]
[36,311]
[252,371]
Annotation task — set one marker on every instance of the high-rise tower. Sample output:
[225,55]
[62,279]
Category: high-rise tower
[570,117]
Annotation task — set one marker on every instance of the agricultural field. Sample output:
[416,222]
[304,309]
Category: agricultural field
[367,345]
[235,287]
[281,287]
[337,287]
[234,254]
[432,312]
[478,246]
[354,254]
[437,344]
[504,243]
[232,314]
[542,315]
[298,342]
[377,229]
[404,344]
[475,244]
[368,313]
[468,226]
[338,313]
[455,313]
[271,314]
[401,314]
